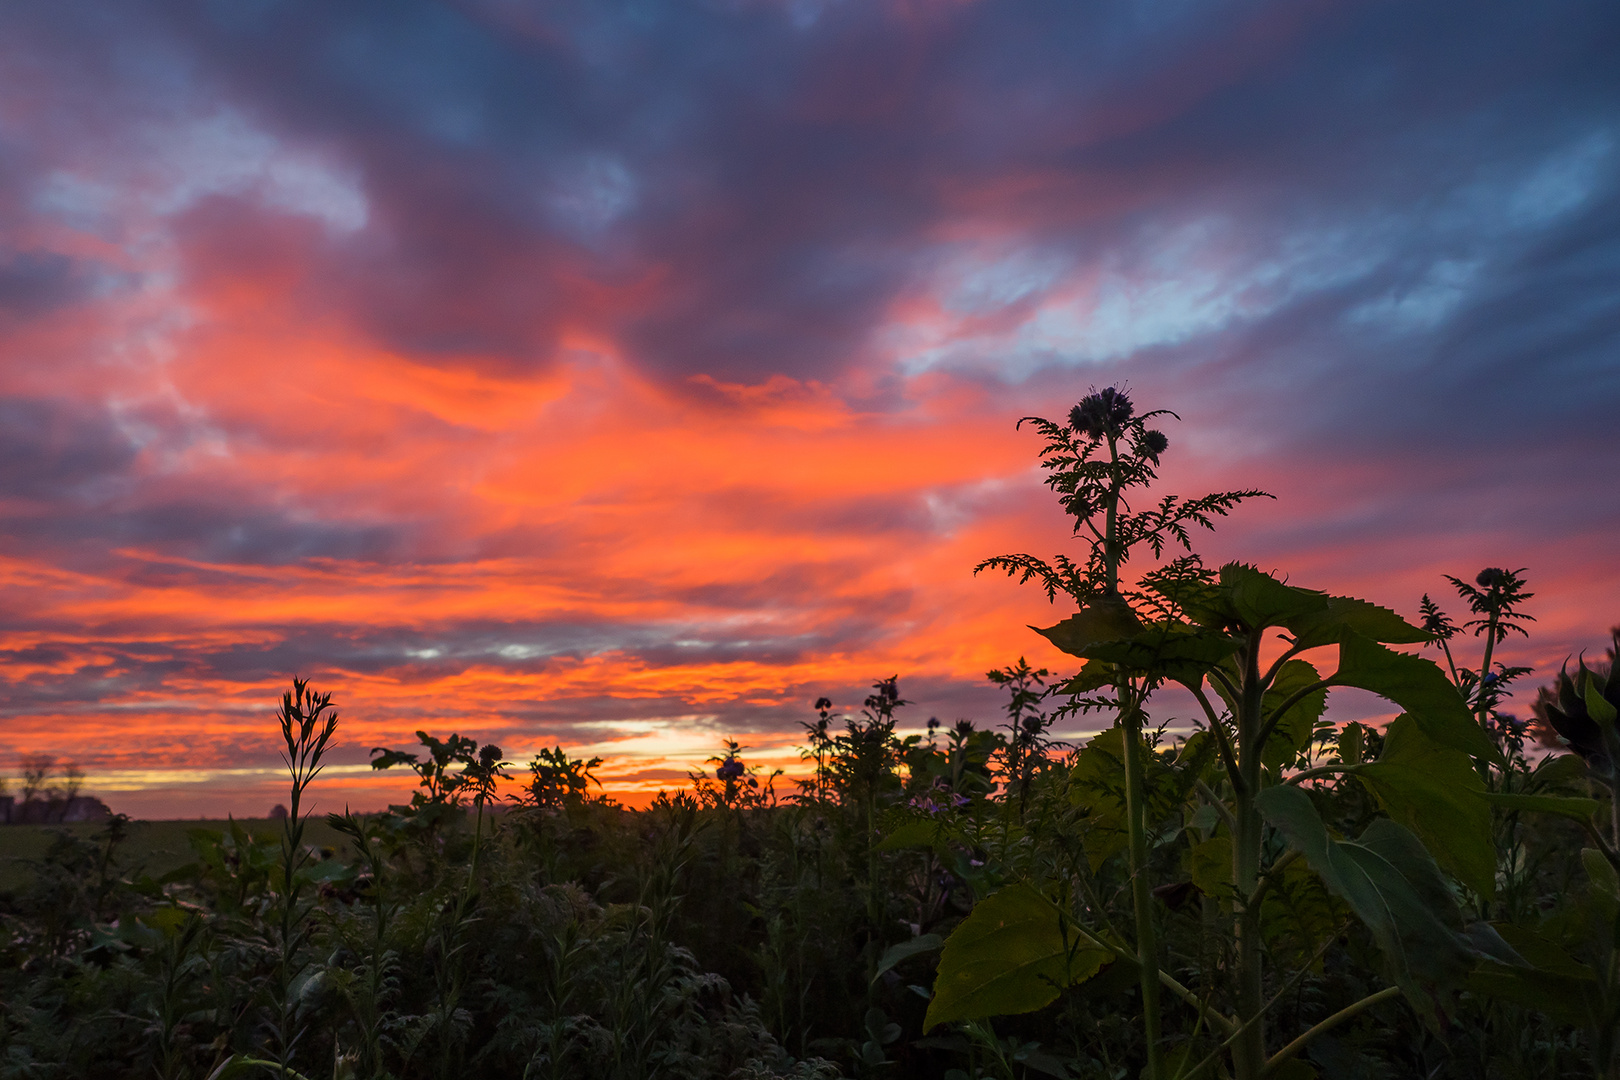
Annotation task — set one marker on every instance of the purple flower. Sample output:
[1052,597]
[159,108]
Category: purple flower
[1101,414]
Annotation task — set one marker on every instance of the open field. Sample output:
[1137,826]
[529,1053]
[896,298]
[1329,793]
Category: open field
[155,847]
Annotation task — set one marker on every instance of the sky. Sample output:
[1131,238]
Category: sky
[627,375]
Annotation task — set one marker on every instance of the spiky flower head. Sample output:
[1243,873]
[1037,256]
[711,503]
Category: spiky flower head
[1582,710]
[1101,414]
[1152,444]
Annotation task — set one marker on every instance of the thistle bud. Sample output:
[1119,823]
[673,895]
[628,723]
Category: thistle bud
[1153,444]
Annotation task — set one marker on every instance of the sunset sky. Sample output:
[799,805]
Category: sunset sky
[626,375]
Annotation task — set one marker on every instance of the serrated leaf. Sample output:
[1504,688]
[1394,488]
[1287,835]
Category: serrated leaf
[1352,740]
[1435,792]
[1393,886]
[1108,618]
[914,834]
[1261,600]
[1008,956]
[1417,685]
[1358,616]
[1171,651]
[1293,731]
[1559,770]
[1097,785]
[1298,914]
[1210,864]
[1564,806]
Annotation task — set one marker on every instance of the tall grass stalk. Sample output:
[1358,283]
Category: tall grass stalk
[308,722]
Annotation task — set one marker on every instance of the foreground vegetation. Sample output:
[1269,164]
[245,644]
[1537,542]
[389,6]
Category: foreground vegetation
[1273,895]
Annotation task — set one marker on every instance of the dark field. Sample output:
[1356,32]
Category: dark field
[154,847]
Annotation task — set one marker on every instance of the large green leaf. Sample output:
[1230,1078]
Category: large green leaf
[1549,981]
[1097,785]
[1434,791]
[918,833]
[1564,806]
[1298,915]
[1393,886]
[1560,771]
[1108,618]
[897,954]
[1417,685]
[1358,616]
[1010,955]
[1209,863]
[1172,651]
[1261,600]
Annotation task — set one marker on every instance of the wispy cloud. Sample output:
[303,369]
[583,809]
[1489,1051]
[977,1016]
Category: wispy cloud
[627,376]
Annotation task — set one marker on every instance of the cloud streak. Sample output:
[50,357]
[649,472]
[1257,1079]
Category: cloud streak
[630,375]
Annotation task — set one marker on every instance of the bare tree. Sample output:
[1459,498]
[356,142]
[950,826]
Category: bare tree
[35,771]
[73,780]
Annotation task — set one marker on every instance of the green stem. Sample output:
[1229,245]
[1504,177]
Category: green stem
[1249,1050]
[1319,771]
[1346,1013]
[1147,943]
[1480,700]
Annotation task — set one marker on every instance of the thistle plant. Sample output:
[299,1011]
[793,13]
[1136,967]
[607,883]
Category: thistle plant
[1238,640]
[1494,599]
[1094,462]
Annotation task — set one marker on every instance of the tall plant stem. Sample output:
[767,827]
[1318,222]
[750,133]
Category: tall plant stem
[1130,718]
[1249,1052]
[1482,701]
[1147,937]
